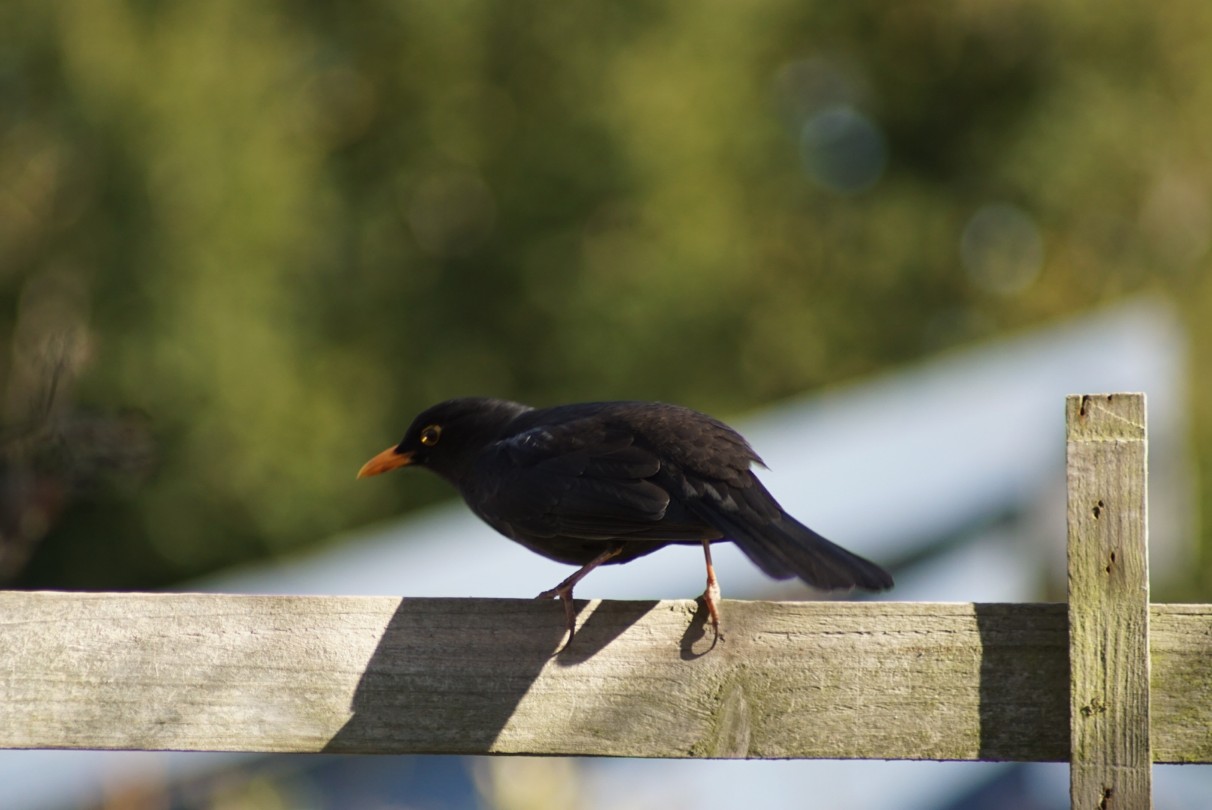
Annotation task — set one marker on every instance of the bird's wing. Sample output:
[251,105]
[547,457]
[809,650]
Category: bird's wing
[580,479]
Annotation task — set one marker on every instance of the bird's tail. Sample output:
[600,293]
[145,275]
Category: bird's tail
[785,548]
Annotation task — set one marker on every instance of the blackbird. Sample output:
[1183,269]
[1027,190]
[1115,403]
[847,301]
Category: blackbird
[600,483]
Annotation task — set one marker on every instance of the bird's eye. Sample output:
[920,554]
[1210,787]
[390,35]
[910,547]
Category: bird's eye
[430,435]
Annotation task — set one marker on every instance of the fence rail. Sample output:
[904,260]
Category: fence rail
[1107,681]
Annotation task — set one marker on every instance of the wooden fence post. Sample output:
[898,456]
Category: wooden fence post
[1110,752]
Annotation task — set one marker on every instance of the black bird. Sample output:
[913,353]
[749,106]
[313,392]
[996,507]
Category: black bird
[600,483]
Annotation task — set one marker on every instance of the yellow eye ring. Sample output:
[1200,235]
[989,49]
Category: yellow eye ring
[430,435]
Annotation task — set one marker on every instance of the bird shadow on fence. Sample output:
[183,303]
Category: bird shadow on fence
[457,697]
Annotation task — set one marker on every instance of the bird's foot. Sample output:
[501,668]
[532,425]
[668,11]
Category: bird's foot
[711,595]
[564,592]
[711,600]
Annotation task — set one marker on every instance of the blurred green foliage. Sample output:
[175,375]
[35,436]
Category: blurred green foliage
[274,231]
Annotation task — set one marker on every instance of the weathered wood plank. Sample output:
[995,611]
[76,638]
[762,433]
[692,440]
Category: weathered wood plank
[1111,759]
[1180,641]
[391,675]
[475,676]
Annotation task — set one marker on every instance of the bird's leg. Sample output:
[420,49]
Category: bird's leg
[564,589]
[711,596]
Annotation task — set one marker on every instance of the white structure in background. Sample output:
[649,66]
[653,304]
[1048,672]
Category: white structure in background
[966,448]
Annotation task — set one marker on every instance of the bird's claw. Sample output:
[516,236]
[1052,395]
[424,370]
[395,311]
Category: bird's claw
[711,595]
[570,614]
[564,590]
[711,599]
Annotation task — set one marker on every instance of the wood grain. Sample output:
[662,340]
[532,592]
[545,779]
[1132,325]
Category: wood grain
[1111,758]
[212,672]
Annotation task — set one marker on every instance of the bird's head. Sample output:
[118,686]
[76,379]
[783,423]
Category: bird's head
[446,437]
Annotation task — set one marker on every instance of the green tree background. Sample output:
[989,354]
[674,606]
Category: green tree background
[242,242]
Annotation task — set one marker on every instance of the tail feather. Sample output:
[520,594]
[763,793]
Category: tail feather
[785,548]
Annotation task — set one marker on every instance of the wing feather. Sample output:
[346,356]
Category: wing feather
[583,480]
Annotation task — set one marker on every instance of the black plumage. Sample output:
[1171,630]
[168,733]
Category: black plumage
[606,482]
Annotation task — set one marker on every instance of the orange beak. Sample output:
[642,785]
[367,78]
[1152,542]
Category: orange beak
[388,460]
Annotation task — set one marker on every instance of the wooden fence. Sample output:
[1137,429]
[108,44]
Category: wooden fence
[1107,682]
